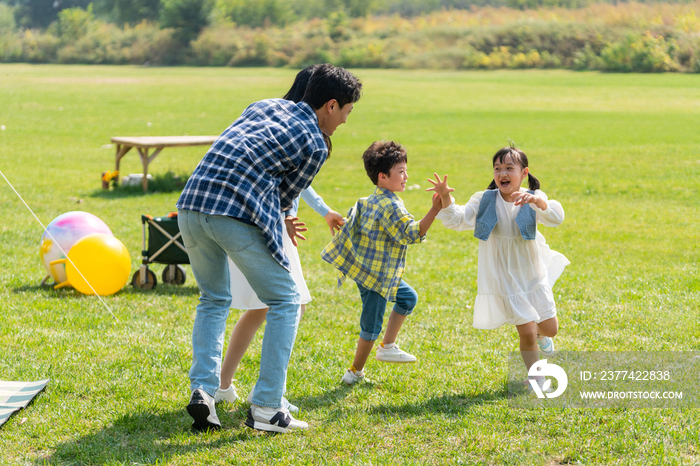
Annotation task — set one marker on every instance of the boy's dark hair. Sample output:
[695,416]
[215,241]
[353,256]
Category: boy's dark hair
[296,93]
[332,82]
[381,156]
[519,158]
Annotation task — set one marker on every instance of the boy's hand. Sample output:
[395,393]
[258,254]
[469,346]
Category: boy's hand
[334,221]
[440,186]
[437,201]
[294,229]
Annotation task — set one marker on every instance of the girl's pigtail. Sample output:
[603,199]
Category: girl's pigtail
[492,185]
[532,182]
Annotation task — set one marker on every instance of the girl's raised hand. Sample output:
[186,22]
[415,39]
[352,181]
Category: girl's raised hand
[294,229]
[522,198]
[440,186]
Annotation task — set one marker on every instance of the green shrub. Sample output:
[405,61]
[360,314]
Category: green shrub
[7,19]
[186,17]
[36,47]
[369,55]
[641,53]
[255,13]
[587,59]
[124,12]
[216,46]
[73,23]
[109,44]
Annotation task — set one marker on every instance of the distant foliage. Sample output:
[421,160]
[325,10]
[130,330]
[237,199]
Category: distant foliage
[255,13]
[131,12]
[187,18]
[73,23]
[646,53]
[632,37]
[7,19]
[41,13]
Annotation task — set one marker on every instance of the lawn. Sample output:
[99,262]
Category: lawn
[621,152]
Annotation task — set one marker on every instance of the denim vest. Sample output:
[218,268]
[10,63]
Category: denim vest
[486,219]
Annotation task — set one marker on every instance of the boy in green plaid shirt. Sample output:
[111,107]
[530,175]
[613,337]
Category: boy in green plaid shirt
[371,250]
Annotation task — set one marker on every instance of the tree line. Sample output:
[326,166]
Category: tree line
[652,37]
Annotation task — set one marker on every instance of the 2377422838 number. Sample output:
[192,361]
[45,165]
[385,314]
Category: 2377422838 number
[634,375]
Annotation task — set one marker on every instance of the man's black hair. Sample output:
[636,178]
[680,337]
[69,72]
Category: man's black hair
[332,82]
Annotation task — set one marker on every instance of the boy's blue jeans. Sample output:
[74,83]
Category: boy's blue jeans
[374,306]
[209,239]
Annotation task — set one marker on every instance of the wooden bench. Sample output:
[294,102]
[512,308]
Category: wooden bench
[144,143]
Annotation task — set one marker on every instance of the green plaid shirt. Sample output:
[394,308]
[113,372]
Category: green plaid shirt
[371,247]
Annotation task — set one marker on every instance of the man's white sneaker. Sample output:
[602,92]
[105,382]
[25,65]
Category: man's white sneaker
[352,376]
[273,419]
[201,408]
[393,354]
[228,394]
[546,345]
[285,403]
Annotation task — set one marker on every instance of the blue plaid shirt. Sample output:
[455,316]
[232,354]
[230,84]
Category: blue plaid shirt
[258,166]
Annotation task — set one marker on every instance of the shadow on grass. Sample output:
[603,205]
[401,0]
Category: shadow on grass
[148,437]
[162,183]
[119,193]
[452,404]
[330,397]
[163,290]
[128,290]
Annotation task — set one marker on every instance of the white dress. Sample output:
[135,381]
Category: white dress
[243,295]
[515,276]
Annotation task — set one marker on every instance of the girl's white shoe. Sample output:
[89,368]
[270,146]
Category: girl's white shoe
[546,345]
[228,394]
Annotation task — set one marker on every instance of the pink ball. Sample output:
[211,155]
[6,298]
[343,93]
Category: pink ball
[66,230]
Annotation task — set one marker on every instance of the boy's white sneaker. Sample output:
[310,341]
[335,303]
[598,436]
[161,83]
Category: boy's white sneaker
[285,403]
[393,354]
[352,376]
[228,394]
[273,419]
[546,345]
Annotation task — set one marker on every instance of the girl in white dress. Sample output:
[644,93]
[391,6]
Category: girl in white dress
[516,269]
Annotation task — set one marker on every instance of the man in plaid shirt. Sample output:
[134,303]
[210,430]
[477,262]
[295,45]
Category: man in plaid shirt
[232,206]
[371,250]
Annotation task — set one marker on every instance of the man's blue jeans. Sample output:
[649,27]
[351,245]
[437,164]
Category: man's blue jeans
[209,239]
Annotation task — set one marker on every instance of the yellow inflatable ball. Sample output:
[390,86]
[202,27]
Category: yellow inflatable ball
[102,259]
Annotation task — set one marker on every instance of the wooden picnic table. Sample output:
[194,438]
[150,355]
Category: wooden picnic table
[144,143]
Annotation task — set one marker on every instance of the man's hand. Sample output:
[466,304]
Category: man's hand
[334,220]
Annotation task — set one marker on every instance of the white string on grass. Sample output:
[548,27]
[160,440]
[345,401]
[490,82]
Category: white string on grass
[59,247]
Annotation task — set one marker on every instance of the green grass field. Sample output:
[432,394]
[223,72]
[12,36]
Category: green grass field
[620,152]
